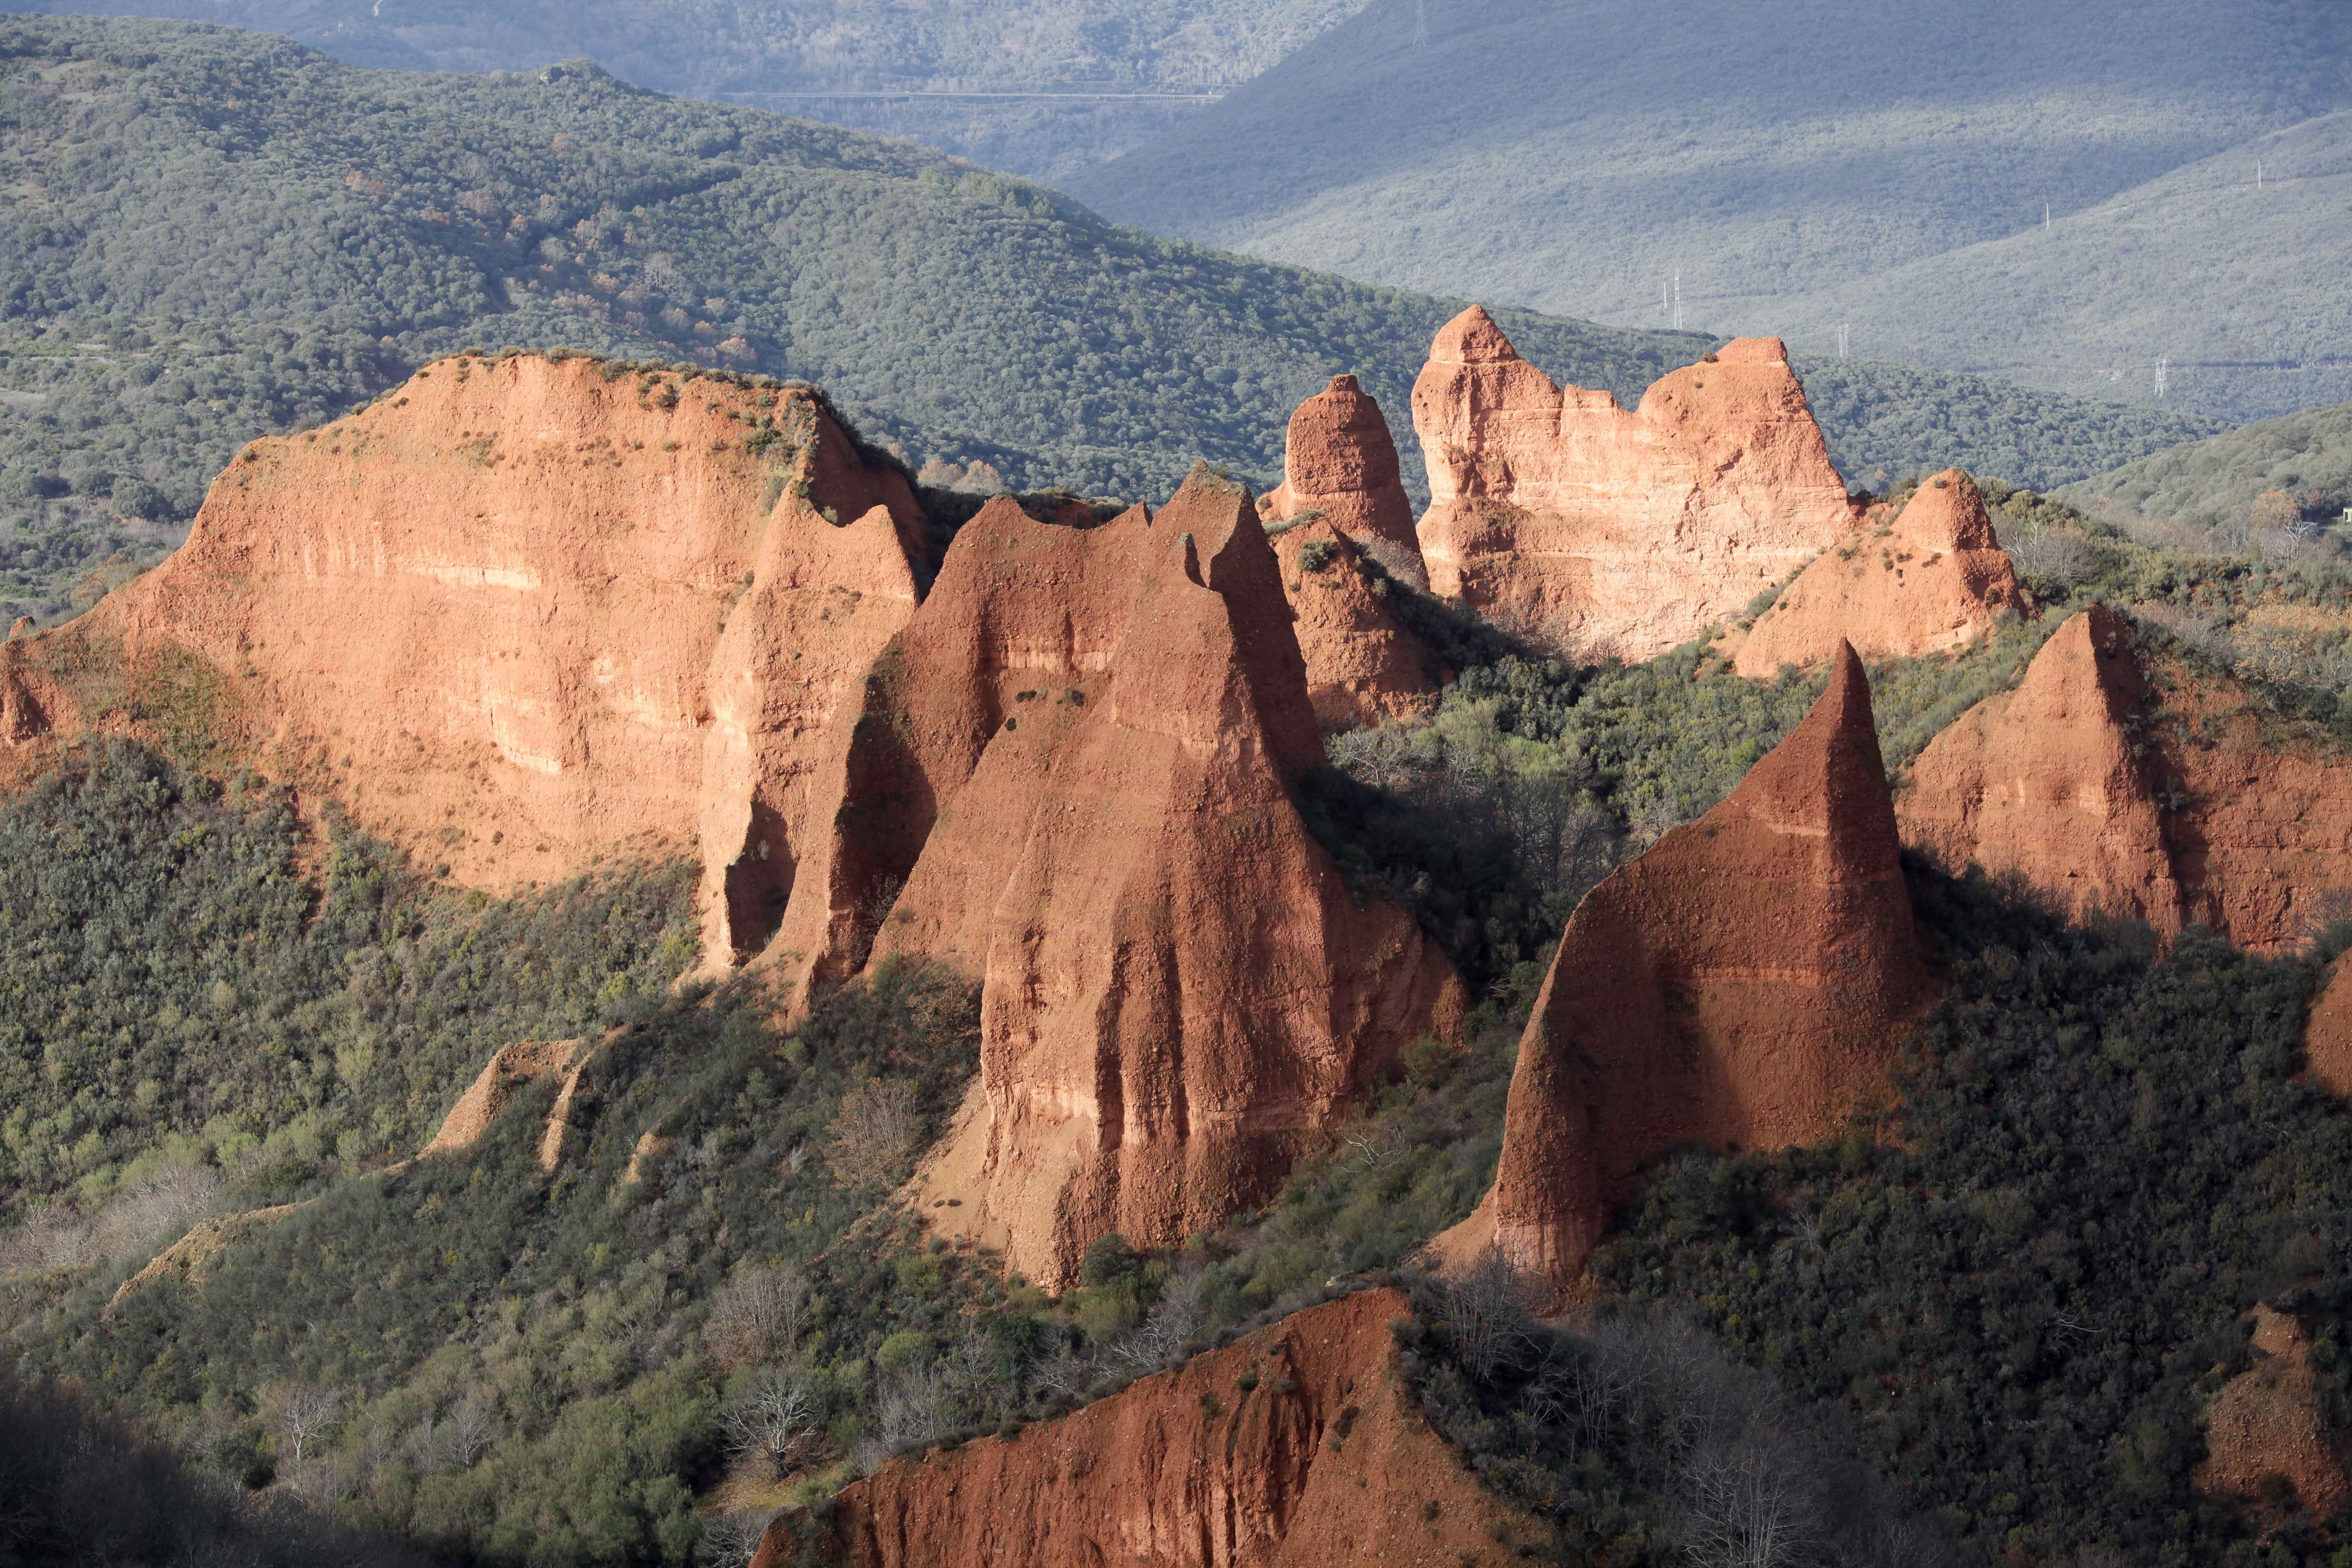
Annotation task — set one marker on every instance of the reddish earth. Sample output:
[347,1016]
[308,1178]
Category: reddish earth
[1069,777]
[1363,665]
[2116,780]
[2327,1034]
[2269,1424]
[1742,986]
[514,1068]
[1341,463]
[1297,1446]
[515,616]
[1600,531]
[1929,582]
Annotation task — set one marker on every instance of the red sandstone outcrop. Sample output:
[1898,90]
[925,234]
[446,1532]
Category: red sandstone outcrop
[1340,462]
[1363,665]
[1067,777]
[1742,986]
[2051,782]
[514,1068]
[1297,1446]
[1603,530]
[1930,582]
[2116,780]
[2270,1423]
[517,615]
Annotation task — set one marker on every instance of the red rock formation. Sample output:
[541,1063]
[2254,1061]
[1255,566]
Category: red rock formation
[2116,780]
[1362,666]
[517,615]
[1600,531]
[2328,1033]
[1297,1446]
[1741,985]
[1340,462]
[512,1070]
[2270,1423]
[1069,777]
[1930,582]
[2050,782]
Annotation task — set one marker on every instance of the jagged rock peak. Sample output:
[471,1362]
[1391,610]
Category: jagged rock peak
[1341,464]
[1603,530]
[1472,338]
[1744,984]
[1069,778]
[1933,580]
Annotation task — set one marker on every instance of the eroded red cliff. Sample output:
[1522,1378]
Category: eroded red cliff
[1297,1446]
[1340,462]
[517,615]
[1069,777]
[1742,986]
[1601,531]
[1931,581]
[2118,779]
[1363,665]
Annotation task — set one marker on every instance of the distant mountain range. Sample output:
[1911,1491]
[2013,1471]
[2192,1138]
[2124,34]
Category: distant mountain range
[1821,164]
[1034,87]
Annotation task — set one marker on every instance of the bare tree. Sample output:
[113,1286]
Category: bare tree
[758,1316]
[1743,1507]
[775,1418]
[729,1539]
[915,1407]
[874,1133]
[468,1429]
[1489,1312]
[306,1414]
[1176,1316]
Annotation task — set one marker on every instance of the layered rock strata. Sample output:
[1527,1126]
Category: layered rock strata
[1742,986]
[517,615]
[1067,776]
[1932,581]
[2118,781]
[1363,665]
[1297,1446]
[1339,463]
[1603,530]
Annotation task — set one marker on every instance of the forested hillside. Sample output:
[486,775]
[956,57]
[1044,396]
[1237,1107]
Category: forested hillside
[208,235]
[1034,87]
[2290,472]
[1817,163]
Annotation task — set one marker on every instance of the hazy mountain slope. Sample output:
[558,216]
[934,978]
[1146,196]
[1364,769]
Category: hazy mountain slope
[2306,457]
[1573,156]
[2235,277]
[1029,84]
[208,234]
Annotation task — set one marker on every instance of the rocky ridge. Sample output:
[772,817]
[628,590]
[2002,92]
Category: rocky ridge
[1068,776]
[1741,985]
[1601,531]
[520,613]
[1299,1446]
[2118,780]
[1931,580]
